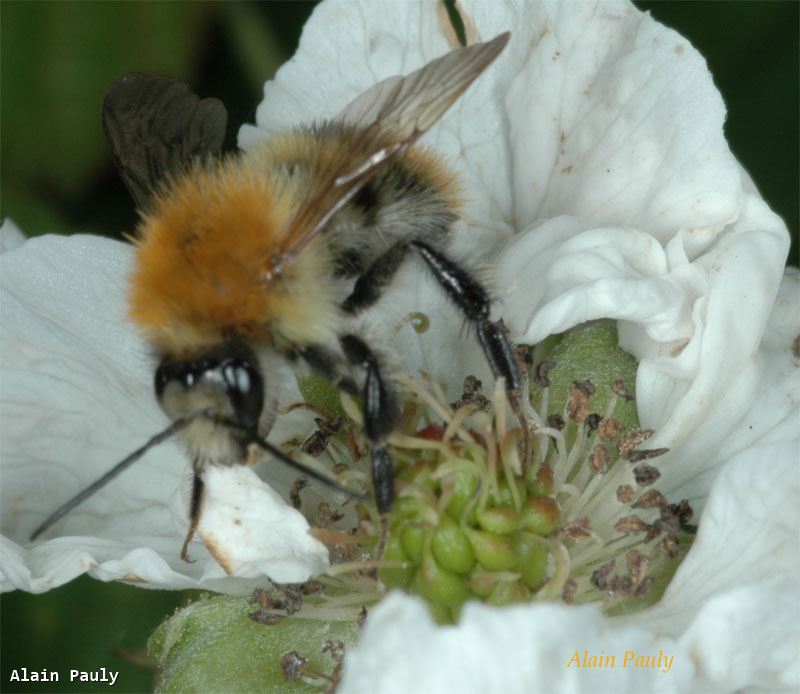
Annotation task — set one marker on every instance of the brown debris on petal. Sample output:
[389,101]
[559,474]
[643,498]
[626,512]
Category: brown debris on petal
[335,649]
[668,522]
[471,395]
[624,493]
[263,616]
[683,511]
[524,359]
[651,499]
[578,531]
[637,565]
[316,444]
[645,475]
[362,617]
[669,547]
[289,599]
[632,440]
[294,493]
[621,585]
[326,515]
[622,390]
[598,459]
[643,588]
[599,578]
[646,454]
[556,421]
[652,532]
[796,347]
[293,666]
[578,405]
[631,524]
[311,587]
[609,428]
[593,421]
[541,374]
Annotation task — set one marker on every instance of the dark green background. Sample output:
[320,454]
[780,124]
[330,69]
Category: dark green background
[58,59]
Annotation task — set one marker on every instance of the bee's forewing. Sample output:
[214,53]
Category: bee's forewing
[404,106]
[155,127]
[388,117]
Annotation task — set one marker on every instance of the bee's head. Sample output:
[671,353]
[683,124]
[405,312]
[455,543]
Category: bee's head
[227,385]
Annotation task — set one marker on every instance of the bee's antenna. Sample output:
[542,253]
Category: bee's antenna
[306,470]
[173,428]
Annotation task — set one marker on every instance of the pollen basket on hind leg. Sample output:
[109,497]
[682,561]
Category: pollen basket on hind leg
[200,260]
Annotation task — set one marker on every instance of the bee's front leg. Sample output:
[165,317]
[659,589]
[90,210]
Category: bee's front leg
[194,514]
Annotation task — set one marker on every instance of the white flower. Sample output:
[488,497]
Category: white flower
[595,146]
[593,155]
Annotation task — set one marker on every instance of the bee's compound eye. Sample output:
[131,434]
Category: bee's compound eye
[245,389]
[176,372]
[166,372]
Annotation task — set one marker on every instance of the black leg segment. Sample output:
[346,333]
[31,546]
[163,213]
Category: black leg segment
[380,418]
[380,405]
[473,300]
[379,275]
[461,287]
[194,514]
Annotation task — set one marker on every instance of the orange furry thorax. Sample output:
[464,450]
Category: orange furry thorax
[201,256]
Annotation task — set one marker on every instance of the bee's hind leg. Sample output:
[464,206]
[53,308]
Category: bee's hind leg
[471,299]
[474,302]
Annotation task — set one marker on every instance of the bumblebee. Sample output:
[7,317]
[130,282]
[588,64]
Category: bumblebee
[273,254]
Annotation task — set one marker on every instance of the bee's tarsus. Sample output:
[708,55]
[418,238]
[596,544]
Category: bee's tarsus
[383,479]
[194,515]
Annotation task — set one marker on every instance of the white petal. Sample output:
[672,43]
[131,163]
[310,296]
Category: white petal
[252,532]
[524,648]
[615,119]
[734,601]
[11,236]
[77,397]
[705,382]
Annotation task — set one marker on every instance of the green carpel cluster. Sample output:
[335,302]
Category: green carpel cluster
[467,535]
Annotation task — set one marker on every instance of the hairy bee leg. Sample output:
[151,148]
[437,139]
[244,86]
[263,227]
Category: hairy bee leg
[380,417]
[371,284]
[474,302]
[194,515]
